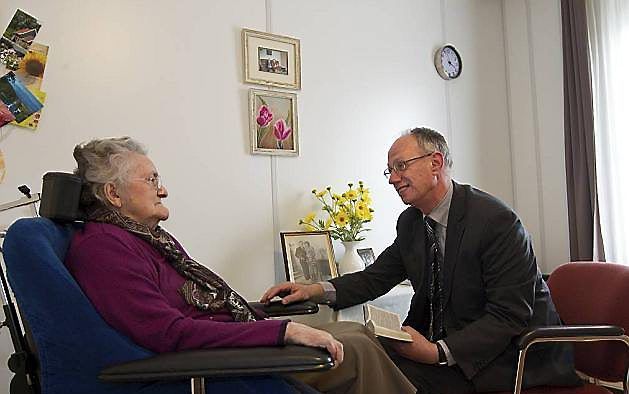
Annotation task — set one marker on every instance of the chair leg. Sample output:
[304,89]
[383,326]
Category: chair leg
[197,385]
[520,372]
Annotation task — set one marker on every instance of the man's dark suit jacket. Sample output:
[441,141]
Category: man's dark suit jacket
[493,290]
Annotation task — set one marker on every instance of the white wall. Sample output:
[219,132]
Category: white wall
[169,74]
[532,33]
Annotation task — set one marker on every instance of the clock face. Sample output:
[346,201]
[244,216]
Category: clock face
[448,62]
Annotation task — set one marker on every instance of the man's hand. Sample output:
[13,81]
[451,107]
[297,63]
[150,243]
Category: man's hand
[421,349]
[292,292]
[300,334]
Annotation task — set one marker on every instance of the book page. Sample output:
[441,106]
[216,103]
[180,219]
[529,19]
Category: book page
[382,318]
[385,324]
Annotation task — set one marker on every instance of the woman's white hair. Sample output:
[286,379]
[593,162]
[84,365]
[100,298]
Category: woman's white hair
[101,161]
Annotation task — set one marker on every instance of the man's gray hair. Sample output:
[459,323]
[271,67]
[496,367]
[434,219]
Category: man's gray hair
[101,161]
[430,140]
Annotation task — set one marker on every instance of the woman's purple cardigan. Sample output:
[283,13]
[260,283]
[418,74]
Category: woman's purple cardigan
[135,290]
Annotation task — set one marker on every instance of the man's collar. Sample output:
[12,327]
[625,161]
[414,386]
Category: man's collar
[440,213]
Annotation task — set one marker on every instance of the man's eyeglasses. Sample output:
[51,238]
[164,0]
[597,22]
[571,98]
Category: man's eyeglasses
[402,165]
[153,180]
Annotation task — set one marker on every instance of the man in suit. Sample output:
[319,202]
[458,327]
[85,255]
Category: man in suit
[476,281]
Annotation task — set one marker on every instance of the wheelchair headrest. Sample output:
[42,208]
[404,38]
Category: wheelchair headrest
[60,196]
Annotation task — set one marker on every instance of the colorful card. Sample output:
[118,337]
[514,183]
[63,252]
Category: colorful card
[17,38]
[33,121]
[3,169]
[20,101]
[32,66]
[5,115]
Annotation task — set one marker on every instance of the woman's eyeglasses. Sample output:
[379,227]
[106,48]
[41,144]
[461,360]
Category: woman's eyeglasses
[153,180]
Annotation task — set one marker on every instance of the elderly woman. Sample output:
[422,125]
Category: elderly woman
[144,284]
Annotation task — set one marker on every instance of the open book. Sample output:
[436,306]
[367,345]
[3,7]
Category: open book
[385,324]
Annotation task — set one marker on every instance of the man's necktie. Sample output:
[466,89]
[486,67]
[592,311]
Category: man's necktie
[436,329]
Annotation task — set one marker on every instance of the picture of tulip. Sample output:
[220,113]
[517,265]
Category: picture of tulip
[265,116]
[273,123]
[281,131]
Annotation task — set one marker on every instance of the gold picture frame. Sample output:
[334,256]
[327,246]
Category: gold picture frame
[273,123]
[271,59]
[308,256]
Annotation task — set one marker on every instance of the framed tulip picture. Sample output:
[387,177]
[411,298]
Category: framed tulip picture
[271,59]
[273,123]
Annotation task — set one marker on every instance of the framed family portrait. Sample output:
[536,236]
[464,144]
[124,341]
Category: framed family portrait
[271,59]
[308,256]
[273,123]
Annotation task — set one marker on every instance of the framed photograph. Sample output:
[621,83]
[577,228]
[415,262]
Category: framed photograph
[273,123]
[367,255]
[271,59]
[308,256]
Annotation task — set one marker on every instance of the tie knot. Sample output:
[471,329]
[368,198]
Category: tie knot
[430,223]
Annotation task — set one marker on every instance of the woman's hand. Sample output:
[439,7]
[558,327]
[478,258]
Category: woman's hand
[421,349]
[300,334]
[293,292]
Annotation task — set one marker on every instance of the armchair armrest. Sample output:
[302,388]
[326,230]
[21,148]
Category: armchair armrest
[223,362]
[568,333]
[574,333]
[277,309]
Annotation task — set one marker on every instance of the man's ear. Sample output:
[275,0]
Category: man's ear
[437,161]
[112,195]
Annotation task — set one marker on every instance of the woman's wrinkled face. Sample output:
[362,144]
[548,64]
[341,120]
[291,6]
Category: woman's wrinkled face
[140,197]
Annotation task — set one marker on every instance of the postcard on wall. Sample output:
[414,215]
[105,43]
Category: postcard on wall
[3,169]
[271,59]
[17,38]
[273,123]
[33,120]
[18,99]
[5,115]
[32,66]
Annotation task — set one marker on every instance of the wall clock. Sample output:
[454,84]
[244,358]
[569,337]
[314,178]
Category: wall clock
[448,62]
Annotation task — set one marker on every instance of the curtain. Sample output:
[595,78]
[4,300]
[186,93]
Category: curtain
[608,31]
[585,240]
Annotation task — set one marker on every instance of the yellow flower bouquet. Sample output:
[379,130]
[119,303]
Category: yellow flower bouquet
[346,213]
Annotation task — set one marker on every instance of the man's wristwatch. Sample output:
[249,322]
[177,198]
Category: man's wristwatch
[443,360]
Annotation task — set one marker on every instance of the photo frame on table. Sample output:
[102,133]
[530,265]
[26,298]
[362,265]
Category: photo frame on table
[308,256]
[271,59]
[367,255]
[273,123]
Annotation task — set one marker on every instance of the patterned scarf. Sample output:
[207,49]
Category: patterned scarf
[203,288]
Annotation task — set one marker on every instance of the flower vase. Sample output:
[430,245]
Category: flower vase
[351,261]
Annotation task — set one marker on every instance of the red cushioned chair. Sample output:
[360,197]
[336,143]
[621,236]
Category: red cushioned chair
[593,301]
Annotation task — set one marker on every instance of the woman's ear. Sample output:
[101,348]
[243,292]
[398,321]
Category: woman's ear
[112,195]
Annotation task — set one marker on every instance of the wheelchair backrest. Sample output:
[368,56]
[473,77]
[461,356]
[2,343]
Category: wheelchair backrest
[72,340]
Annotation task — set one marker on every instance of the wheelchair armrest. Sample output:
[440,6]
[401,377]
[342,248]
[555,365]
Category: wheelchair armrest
[223,362]
[568,334]
[277,309]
